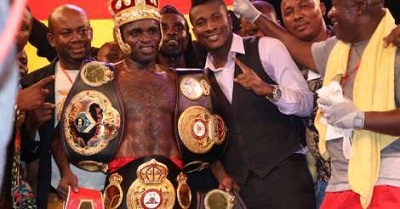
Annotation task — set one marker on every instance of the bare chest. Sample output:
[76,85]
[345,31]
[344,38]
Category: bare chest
[143,90]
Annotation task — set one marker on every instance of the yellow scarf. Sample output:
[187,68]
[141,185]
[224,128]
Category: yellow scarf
[373,90]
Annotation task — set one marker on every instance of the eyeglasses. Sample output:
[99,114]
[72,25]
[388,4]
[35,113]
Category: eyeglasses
[81,32]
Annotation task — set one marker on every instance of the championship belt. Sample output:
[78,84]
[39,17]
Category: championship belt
[84,198]
[157,183]
[92,118]
[202,135]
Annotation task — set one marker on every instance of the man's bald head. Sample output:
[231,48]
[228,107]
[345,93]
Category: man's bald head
[70,34]
[60,11]
[356,20]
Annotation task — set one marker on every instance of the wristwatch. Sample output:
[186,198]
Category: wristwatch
[276,94]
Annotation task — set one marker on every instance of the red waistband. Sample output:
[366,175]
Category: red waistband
[121,162]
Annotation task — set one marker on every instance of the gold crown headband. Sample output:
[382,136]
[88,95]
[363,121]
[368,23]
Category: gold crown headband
[125,11]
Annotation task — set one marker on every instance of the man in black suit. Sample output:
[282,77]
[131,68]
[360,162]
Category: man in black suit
[259,93]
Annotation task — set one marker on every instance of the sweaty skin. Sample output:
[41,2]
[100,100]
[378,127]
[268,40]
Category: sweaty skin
[149,100]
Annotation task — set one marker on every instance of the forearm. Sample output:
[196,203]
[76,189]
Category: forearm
[383,122]
[218,170]
[299,103]
[300,50]
[60,156]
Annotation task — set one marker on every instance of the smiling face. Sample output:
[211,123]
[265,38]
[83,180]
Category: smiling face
[303,18]
[344,18]
[211,25]
[143,36]
[70,34]
[175,36]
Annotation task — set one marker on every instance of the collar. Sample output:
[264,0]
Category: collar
[237,46]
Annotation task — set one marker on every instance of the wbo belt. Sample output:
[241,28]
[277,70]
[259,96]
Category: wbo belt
[147,182]
[201,134]
[92,118]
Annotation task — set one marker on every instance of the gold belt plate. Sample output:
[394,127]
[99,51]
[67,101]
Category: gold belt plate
[193,89]
[113,193]
[200,130]
[90,122]
[95,74]
[151,189]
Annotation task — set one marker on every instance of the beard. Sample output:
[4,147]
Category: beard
[171,48]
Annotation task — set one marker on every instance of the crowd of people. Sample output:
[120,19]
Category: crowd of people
[265,111]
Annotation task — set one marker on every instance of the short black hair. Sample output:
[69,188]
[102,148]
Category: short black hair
[201,2]
[169,9]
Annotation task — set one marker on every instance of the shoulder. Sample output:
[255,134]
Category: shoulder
[37,75]
[397,59]
[320,52]
[326,45]
[168,70]
[270,42]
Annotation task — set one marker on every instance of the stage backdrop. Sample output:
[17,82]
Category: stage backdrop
[100,20]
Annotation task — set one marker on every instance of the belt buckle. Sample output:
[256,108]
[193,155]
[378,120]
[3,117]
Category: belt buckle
[151,189]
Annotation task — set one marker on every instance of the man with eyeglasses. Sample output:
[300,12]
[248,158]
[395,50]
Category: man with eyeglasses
[71,35]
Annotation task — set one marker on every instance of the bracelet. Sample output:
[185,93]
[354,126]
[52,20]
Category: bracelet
[359,121]
[19,115]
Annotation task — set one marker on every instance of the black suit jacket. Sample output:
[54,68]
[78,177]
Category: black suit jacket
[46,132]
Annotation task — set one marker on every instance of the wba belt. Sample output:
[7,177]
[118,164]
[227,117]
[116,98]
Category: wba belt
[92,118]
[201,134]
[148,182]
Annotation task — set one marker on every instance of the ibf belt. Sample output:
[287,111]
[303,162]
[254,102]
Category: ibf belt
[157,183]
[202,135]
[92,117]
